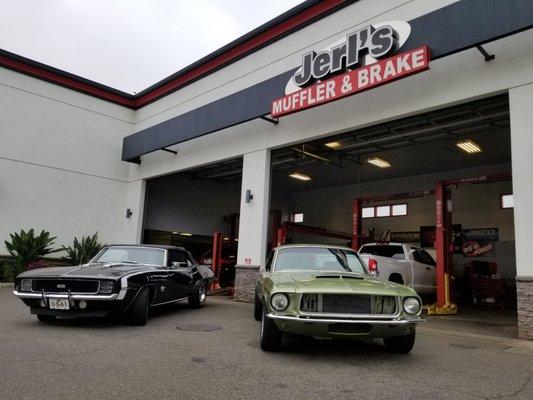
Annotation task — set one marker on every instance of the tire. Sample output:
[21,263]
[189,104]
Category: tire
[271,336]
[198,298]
[400,344]
[258,307]
[396,278]
[139,308]
[46,318]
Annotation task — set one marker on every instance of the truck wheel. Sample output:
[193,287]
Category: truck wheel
[270,334]
[139,309]
[198,298]
[400,344]
[46,318]
[396,278]
[258,307]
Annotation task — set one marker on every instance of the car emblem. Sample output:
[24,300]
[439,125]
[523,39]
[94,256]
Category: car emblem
[163,288]
[61,286]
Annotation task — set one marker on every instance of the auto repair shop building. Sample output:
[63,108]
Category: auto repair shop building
[380,120]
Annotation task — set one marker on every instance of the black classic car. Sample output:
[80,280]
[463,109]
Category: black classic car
[120,279]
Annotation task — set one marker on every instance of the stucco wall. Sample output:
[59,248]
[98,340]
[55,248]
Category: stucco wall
[60,167]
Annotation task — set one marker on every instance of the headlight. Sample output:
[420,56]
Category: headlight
[106,287]
[279,301]
[25,285]
[411,305]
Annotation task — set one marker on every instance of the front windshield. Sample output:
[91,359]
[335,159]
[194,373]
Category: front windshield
[131,255]
[318,259]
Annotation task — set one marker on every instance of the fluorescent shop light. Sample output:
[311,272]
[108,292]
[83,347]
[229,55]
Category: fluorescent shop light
[301,177]
[333,145]
[469,146]
[379,162]
[185,234]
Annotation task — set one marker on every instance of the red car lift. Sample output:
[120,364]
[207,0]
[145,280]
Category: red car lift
[443,242]
[308,230]
[217,259]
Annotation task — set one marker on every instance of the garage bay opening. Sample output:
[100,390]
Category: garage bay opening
[198,209]
[427,200]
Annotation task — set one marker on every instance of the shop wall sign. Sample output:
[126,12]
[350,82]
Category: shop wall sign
[479,242]
[405,237]
[363,60]
[428,235]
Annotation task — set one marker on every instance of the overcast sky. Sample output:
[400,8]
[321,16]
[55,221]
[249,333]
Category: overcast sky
[128,44]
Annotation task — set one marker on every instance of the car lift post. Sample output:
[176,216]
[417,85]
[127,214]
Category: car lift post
[357,223]
[444,247]
[217,259]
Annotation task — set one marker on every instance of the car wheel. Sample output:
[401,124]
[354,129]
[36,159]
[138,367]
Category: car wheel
[46,318]
[396,278]
[139,309]
[198,298]
[258,307]
[271,336]
[400,344]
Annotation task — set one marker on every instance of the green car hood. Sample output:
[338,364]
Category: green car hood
[334,282]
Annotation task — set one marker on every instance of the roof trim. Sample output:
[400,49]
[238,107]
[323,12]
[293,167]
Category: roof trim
[291,21]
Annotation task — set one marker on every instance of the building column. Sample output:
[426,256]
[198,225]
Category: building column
[521,104]
[135,196]
[253,224]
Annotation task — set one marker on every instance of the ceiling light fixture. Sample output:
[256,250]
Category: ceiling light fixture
[378,162]
[333,145]
[469,146]
[185,234]
[299,176]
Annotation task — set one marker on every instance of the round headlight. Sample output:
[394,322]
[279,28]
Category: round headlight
[279,301]
[411,305]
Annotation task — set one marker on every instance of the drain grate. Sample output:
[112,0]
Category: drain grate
[198,327]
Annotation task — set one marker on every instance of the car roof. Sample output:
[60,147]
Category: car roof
[319,246]
[153,246]
[383,244]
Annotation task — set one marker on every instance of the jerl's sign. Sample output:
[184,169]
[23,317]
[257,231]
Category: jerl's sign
[323,76]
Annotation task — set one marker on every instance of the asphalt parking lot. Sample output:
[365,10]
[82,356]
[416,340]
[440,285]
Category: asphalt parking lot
[214,353]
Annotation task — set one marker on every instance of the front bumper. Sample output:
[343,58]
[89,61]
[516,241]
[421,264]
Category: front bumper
[393,322]
[104,297]
[364,328]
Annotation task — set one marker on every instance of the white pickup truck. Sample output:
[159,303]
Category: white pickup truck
[401,263]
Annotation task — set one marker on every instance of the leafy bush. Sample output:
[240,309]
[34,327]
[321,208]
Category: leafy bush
[27,248]
[82,250]
[7,274]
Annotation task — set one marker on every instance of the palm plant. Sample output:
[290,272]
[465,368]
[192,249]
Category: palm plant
[82,250]
[27,248]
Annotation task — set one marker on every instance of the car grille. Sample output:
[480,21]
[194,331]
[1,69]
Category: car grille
[58,286]
[348,304]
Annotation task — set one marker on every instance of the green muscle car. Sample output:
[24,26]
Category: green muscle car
[326,291]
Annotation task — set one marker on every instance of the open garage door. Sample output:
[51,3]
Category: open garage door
[379,186]
[187,209]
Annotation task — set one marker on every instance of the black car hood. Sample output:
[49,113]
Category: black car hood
[92,271]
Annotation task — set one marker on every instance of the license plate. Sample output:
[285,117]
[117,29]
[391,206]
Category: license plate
[58,304]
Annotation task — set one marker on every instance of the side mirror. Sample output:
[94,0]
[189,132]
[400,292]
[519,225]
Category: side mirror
[181,264]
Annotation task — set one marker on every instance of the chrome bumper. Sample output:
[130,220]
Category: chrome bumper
[24,295]
[395,322]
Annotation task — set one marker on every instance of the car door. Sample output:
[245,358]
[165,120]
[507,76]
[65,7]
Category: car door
[423,270]
[180,274]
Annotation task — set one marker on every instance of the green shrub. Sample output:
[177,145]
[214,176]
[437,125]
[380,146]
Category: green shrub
[27,248]
[7,272]
[82,250]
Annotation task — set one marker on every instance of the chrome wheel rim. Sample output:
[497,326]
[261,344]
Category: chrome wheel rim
[202,293]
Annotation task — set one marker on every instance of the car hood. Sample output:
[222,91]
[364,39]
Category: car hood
[94,271]
[333,282]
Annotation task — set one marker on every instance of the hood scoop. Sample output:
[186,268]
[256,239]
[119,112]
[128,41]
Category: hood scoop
[339,276]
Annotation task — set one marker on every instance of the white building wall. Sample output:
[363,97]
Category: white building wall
[60,167]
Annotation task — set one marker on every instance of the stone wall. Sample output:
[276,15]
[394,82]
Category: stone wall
[524,291]
[245,279]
